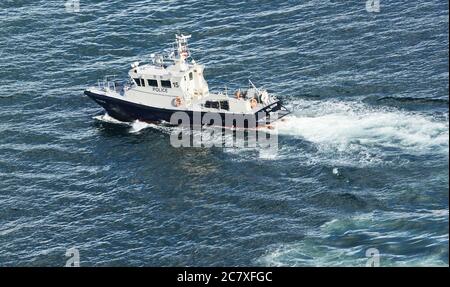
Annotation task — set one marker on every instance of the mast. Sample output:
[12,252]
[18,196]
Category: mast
[182,50]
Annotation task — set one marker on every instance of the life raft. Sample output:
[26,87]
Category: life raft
[177,102]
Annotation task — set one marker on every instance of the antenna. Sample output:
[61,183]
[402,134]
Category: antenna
[251,83]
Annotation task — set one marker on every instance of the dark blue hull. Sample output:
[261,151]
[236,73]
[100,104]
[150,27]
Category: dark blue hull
[127,112]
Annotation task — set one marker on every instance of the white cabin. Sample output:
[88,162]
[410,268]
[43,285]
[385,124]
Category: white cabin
[166,80]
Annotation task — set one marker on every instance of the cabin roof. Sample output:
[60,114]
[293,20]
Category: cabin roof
[154,70]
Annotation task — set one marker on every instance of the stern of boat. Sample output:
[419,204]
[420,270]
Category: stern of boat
[271,113]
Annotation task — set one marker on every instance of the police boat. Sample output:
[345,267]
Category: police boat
[172,84]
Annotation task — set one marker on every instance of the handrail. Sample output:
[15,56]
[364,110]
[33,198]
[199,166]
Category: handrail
[111,83]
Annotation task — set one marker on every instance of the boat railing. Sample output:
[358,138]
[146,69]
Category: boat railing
[111,83]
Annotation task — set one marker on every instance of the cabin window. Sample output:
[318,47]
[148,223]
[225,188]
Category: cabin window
[143,82]
[191,76]
[224,105]
[137,81]
[212,105]
[152,83]
[166,84]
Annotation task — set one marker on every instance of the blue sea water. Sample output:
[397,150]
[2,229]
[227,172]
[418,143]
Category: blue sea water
[362,162]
